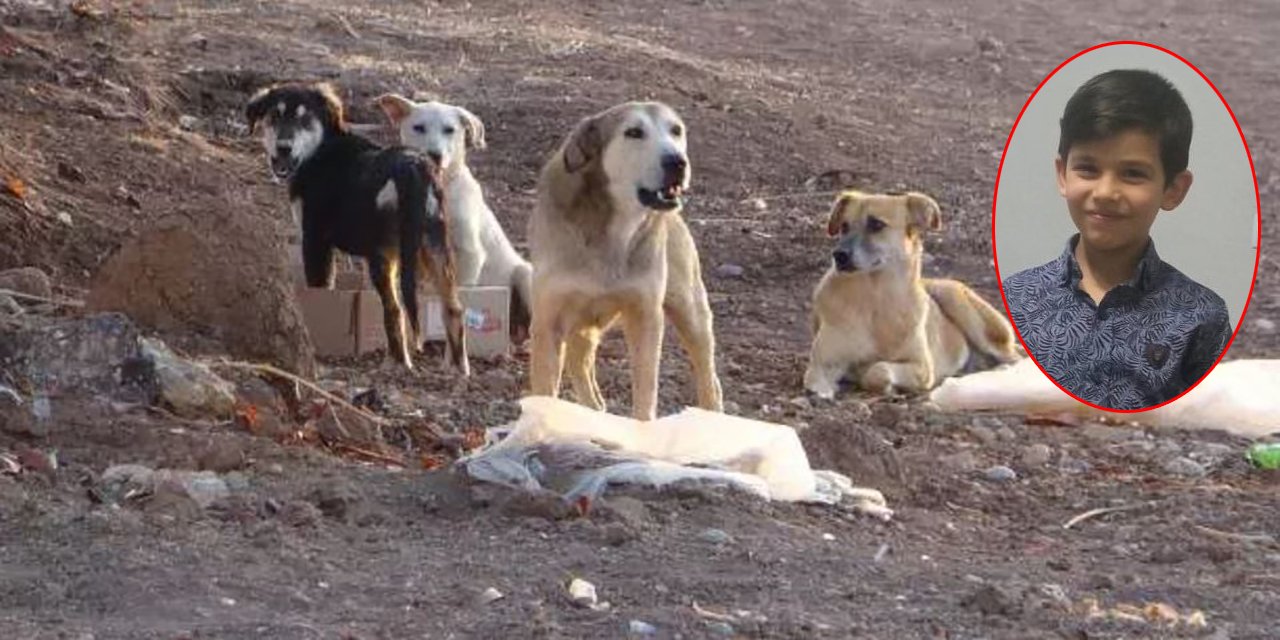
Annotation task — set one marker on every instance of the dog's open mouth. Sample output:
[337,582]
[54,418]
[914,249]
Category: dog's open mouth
[663,199]
[282,166]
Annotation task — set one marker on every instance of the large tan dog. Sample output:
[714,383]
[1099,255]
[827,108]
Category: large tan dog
[608,243]
[878,321]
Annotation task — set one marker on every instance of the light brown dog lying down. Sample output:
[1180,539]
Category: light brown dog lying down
[608,245]
[876,320]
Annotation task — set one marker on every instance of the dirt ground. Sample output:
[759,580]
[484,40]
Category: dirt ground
[119,117]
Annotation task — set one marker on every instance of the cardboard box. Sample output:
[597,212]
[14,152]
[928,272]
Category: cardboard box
[347,320]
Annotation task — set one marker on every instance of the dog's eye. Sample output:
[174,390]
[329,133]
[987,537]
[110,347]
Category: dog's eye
[448,131]
[875,225]
[635,133]
[419,128]
[677,131]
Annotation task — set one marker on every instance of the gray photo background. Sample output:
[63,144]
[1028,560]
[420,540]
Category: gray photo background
[1211,237]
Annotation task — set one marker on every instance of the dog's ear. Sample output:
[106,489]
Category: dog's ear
[395,106]
[584,144]
[333,106]
[258,105]
[474,128]
[925,213]
[839,208]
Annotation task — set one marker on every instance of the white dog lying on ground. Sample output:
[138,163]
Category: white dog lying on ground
[483,254]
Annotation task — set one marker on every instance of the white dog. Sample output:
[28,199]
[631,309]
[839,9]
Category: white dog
[484,256]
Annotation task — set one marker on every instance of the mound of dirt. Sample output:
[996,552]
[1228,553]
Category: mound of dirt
[207,282]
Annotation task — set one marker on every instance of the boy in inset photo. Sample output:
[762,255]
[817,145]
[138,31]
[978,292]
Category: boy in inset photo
[1108,319]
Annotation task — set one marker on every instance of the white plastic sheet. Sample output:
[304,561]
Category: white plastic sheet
[1239,396]
[574,450]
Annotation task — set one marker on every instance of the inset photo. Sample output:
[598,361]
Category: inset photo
[1126,226]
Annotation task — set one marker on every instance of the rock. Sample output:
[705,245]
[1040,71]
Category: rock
[188,389]
[16,415]
[222,277]
[641,628]
[583,593]
[759,204]
[1264,325]
[992,601]
[9,306]
[299,513]
[628,510]
[730,270]
[1052,596]
[337,500]
[616,534]
[89,354]
[1186,467]
[204,487]
[1036,455]
[28,280]
[189,123]
[220,455]
[715,536]
[1000,473]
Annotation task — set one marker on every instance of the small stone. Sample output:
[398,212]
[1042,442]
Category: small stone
[961,460]
[1056,595]
[583,593]
[641,628]
[1074,466]
[715,536]
[1036,455]
[616,534]
[188,123]
[1006,434]
[1264,325]
[9,306]
[489,595]
[759,204]
[300,514]
[720,627]
[730,270]
[204,487]
[1000,473]
[990,600]
[65,218]
[1186,467]
[982,434]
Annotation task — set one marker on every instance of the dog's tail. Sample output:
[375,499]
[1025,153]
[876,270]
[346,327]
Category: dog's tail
[426,243]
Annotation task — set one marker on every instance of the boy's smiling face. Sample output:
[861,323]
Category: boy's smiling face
[1114,188]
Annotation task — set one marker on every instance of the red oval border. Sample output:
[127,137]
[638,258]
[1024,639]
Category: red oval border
[1257,198]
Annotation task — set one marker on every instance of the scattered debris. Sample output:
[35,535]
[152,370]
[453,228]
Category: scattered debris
[489,595]
[1000,473]
[1093,513]
[583,594]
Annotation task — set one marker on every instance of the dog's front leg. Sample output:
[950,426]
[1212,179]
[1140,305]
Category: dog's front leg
[643,329]
[822,376]
[546,349]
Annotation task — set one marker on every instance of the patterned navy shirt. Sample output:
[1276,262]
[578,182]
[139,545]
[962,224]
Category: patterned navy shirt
[1147,341]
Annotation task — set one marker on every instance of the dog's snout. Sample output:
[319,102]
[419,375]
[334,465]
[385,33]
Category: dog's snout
[435,156]
[842,258]
[674,163]
[284,148]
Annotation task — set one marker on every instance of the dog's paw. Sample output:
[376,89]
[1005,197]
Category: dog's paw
[878,379]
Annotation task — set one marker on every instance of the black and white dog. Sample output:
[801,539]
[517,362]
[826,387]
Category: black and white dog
[381,204]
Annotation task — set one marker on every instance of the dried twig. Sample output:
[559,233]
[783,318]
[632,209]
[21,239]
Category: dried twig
[1227,536]
[66,302]
[346,26]
[268,369]
[1093,513]
[712,615]
[374,455]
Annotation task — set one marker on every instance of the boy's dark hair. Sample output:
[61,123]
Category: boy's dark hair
[1122,99]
